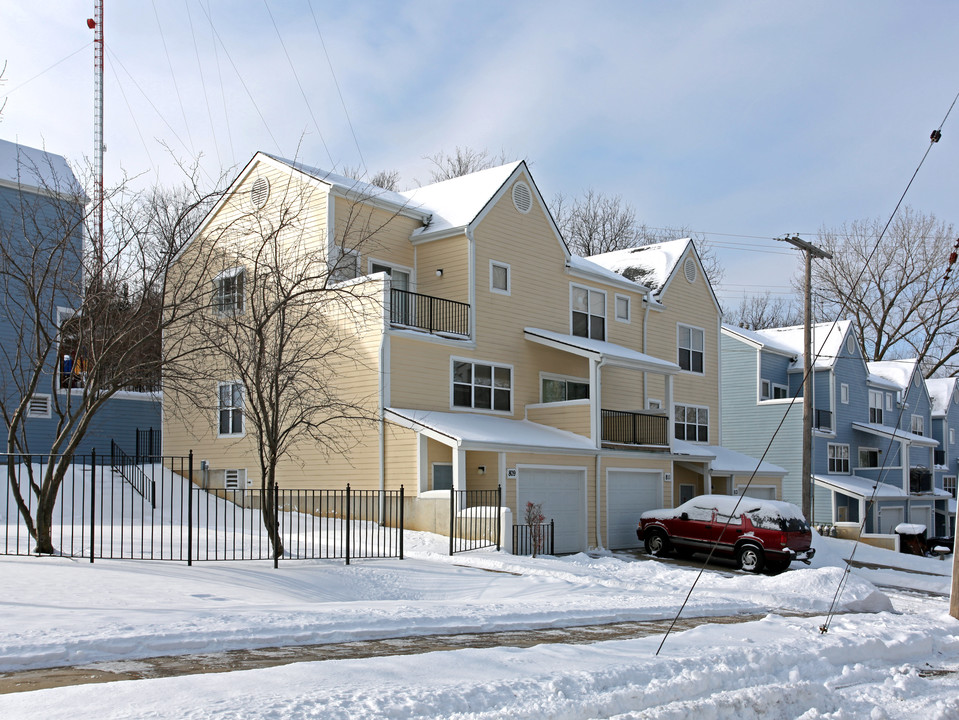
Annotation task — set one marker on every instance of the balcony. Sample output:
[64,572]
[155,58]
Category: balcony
[430,314]
[920,480]
[630,428]
[940,458]
[823,420]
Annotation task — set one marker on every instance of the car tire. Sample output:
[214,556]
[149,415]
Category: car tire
[656,543]
[750,558]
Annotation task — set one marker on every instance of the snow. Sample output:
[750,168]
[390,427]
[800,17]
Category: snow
[649,265]
[827,339]
[898,372]
[909,529]
[941,392]
[616,354]
[36,169]
[872,662]
[725,460]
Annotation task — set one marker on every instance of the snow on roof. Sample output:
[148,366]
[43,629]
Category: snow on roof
[588,266]
[617,354]
[484,431]
[859,486]
[649,265]
[941,391]
[728,461]
[826,339]
[887,431]
[456,203]
[895,371]
[35,169]
[755,337]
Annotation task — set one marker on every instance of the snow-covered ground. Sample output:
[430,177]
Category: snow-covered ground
[891,654]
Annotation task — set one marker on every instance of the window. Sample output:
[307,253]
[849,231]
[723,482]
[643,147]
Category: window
[868,457]
[952,436]
[918,425]
[231,408]
[499,277]
[346,265]
[888,402]
[38,406]
[875,407]
[399,277]
[654,404]
[838,459]
[766,391]
[482,386]
[71,360]
[589,313]
[442,476]
[780,392]
[692,423]
[691,344]
[949,484]
[622,308]
[228,292]
[560,389]
[844,393]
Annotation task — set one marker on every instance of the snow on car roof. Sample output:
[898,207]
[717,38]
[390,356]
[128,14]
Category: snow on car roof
[727,504]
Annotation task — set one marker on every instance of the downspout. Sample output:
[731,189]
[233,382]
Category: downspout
[384,382]
[598,424]
[645,323]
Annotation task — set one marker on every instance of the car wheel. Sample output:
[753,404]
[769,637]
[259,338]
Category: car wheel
[750,558]
[657,544]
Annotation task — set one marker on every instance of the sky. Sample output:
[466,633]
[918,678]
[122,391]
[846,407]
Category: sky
[742,121]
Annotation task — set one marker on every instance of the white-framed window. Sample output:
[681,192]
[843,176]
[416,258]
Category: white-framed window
[38,406]
[766,389]
[918,425]
[875,407]
[692,423]
[228,291]
[691,348]
[868,457]
[888,402]
[346,265]
[482,386]
[653,404]
[838,459]
[559,388]
[230,412]
[588,310]
[499,277]
[844,393]
[399,275]
[949,484]
[780,391]
[952,436]
[622,308]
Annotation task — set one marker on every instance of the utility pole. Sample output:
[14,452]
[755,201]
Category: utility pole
[810,251]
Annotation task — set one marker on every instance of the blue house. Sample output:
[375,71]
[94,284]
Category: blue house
[944,393]
[872,452]
[41,202]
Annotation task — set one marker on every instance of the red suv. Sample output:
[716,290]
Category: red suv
[757,533]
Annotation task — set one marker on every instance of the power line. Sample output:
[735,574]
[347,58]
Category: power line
[206,97]
[176,87]
[43,72]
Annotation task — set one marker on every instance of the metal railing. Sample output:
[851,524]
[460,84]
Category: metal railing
[148,443]
[131,470]
[98,515]
[631,428]
[425,312]
[475,519]
[534,539]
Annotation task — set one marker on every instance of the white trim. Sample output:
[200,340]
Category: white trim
[570,468]
[509,277]
[242,409]
[589,313]
[697,408]
[629,309]
[561,378]
[860,450]
[738,489]
[645,471]
[844,393]
[833,471]
[490,411]
[432,477]
[370,261]
[44,411]
[679,326]
[657,406]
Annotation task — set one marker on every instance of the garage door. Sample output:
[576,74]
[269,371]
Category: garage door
[562,493]
[629,493]
[889,517]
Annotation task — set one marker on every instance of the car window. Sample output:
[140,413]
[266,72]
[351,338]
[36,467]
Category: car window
[775,522]
[696,512]
[730,519]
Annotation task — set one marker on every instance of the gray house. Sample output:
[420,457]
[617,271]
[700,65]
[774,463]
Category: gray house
[872,451]
[41,203]
[944,393]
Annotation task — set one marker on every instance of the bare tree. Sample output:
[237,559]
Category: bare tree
[463,161]
[3,80]
[285,329]
[896,291]
[758,312]
[107,341]
[385,179]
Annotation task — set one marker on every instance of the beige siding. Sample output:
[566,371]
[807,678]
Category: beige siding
[573,417]
[451,255]
[378,234]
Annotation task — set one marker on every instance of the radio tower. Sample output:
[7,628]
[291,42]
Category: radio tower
[96,24]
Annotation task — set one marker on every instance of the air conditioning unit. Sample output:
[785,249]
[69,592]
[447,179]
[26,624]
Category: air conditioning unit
[229,479]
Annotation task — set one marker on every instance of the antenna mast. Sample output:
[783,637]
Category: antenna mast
[96,24]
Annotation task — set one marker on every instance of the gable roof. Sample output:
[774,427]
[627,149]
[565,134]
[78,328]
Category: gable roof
[753,337]
[941,391]
[899,372]
[37,170]
[827,340]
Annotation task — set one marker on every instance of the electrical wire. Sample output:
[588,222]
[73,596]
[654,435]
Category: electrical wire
[176,86]
[206,97]
[219,74]
[44,72]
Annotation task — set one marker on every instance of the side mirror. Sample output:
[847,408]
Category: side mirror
[684,516]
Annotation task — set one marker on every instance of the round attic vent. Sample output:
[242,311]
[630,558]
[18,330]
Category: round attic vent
[689,270]
[915,379]
[522,197]
[850,345]
[260,192]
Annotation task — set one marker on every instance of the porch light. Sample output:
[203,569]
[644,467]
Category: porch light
[439,272]
[481,469]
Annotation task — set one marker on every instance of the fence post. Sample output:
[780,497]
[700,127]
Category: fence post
[402,526]
[452,517]
[93,499]
[276,524]
[346,520]
[499,522]
[189,512]
[552,537]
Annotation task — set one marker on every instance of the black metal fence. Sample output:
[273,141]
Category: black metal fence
[148,443]
[630,428]
[475,519]
[534,539]
[131,470]
[98,514]
[433,314]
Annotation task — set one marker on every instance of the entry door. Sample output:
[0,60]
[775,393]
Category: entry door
[629,493]
[562,493]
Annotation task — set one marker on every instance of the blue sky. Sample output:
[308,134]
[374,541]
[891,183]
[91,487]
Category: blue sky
[741,120]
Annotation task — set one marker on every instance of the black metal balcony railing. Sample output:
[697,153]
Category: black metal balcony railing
[823,420]
[630,428]
[425,312]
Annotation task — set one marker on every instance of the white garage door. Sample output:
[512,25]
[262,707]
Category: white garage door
[562,493]
[629,493]
[889,517]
